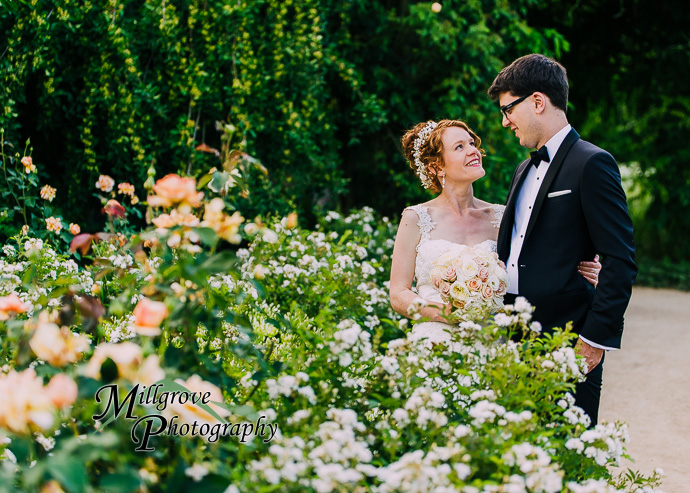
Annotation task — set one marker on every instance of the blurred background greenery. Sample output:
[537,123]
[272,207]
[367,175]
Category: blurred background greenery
[322,91]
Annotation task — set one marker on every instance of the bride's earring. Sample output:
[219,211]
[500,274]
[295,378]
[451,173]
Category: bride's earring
[443,181]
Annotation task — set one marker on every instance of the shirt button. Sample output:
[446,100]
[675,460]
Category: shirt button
[521,236]
[513,265]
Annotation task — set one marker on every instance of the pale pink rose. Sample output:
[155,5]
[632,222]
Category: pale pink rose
[487,292]
[445,290]
[474,284]
[148,316]
[190,412]
[449,274]
[483,273]
[436,280]
[62,391]
[11,305]
[172,190]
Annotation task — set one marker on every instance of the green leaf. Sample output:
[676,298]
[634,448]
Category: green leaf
[222,262]
[121,483]
[208,236]
[70,471]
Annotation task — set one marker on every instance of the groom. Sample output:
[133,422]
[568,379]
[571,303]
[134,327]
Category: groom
[565,204]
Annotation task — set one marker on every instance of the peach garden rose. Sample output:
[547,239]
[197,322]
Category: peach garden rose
[148,316]
[57,346]
[11,305]
[173,190]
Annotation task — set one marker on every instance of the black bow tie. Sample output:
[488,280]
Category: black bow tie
[538,156]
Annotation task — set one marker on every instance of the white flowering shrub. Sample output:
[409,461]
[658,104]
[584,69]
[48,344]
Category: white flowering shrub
[293,328]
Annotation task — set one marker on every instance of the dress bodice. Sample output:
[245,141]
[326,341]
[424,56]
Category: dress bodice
[429,249]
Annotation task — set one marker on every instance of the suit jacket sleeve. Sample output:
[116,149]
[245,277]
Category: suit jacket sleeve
[610,227]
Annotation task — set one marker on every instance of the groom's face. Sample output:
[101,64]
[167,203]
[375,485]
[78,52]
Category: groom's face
[520,118]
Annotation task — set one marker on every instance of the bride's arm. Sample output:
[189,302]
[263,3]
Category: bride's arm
[402,271]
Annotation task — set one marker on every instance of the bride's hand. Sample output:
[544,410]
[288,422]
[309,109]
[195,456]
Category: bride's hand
[590,270]
[443,313]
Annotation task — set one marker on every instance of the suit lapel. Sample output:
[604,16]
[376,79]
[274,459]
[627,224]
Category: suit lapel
[554,167]
[506,228]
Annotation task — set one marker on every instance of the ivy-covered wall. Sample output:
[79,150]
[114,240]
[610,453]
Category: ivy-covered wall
[319,91]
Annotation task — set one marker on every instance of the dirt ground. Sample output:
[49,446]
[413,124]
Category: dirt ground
[647,385]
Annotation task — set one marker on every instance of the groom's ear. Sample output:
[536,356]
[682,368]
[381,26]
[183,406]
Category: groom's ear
[540,101]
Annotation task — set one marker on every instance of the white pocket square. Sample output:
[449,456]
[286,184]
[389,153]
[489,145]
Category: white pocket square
[559,193]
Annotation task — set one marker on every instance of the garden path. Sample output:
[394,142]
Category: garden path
[646,385]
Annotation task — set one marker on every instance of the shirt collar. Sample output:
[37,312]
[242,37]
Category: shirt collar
[555,142]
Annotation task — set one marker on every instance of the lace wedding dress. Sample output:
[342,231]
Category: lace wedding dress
[429,250]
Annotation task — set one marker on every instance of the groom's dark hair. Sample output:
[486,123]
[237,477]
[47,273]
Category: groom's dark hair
[533,73]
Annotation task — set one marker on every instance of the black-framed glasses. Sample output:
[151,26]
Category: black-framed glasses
[505,109]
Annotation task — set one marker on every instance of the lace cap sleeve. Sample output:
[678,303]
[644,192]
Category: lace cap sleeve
[424,223]
[498,215]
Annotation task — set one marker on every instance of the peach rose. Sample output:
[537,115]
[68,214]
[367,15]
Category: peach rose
[62,391]
[25,405]
[175,218]
[474,284]
[57,346]
[291,222]
[172,190]
[190,412]
[164,221]
[28,164]
[11,304]
[105,183]
[487,292]
[483,273]
[148,316]
[74,229]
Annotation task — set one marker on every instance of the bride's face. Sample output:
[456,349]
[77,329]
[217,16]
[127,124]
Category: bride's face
[462,159]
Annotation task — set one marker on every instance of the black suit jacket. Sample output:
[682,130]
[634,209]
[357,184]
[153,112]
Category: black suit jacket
[566,229]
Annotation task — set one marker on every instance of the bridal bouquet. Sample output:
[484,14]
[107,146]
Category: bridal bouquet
[472,279]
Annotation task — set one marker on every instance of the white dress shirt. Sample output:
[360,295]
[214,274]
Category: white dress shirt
[524,204]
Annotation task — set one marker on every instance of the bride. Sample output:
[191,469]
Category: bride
[447,158]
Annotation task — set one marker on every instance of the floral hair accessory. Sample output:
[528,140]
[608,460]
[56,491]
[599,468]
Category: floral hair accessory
[422,136]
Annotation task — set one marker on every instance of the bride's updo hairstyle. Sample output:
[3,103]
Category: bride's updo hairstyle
[423,149]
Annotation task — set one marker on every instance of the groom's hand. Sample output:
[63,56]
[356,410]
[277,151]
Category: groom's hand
[591,354]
